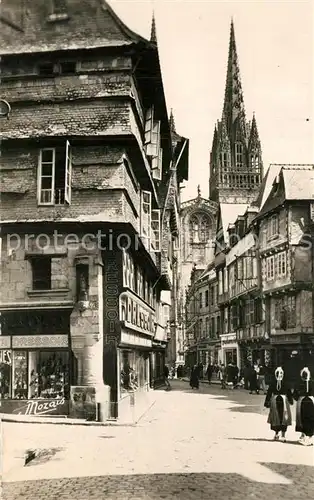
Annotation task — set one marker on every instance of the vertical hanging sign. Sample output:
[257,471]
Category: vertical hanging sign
[112,330]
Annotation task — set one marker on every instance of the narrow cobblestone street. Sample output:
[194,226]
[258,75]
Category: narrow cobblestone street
[190,445]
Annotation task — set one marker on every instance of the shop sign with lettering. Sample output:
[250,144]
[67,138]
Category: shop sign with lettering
[137,314]
[6,357]
[35,407]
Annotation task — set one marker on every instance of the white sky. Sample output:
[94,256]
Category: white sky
[275,44]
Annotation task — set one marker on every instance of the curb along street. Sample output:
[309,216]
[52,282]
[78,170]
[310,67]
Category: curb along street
[4,417]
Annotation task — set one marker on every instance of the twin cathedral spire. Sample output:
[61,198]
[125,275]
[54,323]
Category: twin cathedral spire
[236,158]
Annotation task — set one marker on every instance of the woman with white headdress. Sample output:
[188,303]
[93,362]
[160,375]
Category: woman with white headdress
[304,395]
[278,400]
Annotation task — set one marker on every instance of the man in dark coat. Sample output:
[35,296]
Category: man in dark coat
[246,376]
[304,395]
[209,373]
[195,377]
[166,377]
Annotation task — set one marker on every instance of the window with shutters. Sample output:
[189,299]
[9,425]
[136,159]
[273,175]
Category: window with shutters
[149,126]
[54,175]
[155,234]
[157,165]
[146,215]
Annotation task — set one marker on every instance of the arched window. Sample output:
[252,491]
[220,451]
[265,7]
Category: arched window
[199,228]
[194,228]
[239,155]
[204,228]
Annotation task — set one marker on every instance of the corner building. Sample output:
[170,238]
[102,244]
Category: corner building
[87,164]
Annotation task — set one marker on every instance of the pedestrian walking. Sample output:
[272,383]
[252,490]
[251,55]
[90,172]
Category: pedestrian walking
[166,377]
[195,377]
[246,376]
[253,380]
[235,375]
[304,395]
[230,373]
[222,376]
[261,378]
[278,400]
[209,373]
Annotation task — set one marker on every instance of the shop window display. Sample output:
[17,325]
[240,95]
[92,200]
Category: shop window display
[48,375]
[133,370]
[34,374]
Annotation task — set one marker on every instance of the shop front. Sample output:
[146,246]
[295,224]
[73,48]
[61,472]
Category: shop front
[35,369]
[302,347]
[257,351]
[230,350]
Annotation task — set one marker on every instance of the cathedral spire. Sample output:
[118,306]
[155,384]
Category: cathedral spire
[171,122]
[233,109]
[153,33]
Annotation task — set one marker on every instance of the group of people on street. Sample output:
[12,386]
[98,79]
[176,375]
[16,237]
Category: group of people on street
[279,398]
[280,395]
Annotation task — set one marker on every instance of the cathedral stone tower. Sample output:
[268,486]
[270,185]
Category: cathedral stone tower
[236,168]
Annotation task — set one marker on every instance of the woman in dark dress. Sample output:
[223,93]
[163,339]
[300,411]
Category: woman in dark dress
[195,377]
[304,395]
[278,400]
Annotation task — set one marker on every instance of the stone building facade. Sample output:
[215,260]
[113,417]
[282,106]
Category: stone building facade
[89,209]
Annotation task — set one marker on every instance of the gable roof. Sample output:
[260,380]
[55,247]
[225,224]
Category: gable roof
[267,183]
[87,24]
[295,183]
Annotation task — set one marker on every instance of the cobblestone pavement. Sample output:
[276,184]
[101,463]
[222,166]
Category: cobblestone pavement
[190,445]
